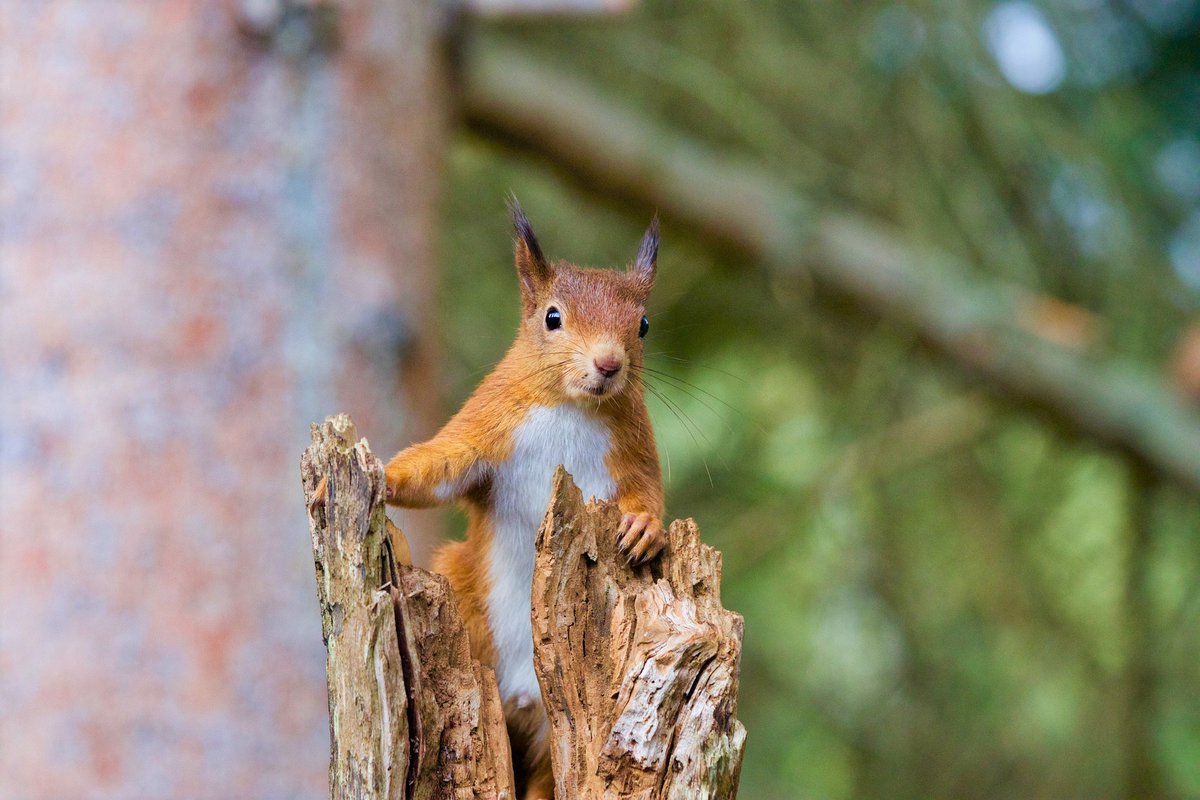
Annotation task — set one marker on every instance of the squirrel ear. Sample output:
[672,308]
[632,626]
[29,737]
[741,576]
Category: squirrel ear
[532,268]
[646,263]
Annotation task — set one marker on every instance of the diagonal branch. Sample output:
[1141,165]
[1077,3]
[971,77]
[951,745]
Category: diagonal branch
[972,322]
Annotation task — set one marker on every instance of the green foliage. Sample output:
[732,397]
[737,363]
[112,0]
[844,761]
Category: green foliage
[944,597]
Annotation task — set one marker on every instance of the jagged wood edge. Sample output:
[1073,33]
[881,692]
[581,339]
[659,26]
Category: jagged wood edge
[638,667]
[411,714]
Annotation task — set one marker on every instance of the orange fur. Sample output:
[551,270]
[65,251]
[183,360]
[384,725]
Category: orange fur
[601,312]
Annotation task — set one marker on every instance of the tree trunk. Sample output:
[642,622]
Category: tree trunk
[638,667]
[218,219]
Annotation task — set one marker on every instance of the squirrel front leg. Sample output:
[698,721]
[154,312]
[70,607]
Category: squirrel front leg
[432,473]
[423,475]
[640,535]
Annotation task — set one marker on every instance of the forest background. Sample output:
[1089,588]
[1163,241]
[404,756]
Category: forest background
[925,343]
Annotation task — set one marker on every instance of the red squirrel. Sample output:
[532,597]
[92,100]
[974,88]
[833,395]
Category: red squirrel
[568,391]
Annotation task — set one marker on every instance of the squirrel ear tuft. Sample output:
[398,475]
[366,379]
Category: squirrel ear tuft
[532,268]
[646,264]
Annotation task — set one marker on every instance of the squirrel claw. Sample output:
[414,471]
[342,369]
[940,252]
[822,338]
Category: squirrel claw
[640,537]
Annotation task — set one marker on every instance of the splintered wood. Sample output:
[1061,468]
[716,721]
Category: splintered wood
[411,714]
[638,667]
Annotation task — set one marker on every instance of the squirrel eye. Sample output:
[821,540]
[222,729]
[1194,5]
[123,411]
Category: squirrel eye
[553,319]
[644,327]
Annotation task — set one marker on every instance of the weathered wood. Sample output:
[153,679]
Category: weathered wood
[638,667]
[411,714]
[457,701]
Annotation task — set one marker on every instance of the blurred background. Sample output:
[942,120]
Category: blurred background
[926,344]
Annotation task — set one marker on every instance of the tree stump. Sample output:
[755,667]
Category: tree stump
[638,666]
[411,714]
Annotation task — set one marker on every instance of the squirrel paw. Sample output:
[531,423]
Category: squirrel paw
[395,478]
[640,537]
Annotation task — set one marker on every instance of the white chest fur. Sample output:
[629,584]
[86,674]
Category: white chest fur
[547,437]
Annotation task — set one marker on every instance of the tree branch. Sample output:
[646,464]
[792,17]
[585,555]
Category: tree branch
[973,323]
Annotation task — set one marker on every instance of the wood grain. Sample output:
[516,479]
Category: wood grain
[411,714]
[638,667]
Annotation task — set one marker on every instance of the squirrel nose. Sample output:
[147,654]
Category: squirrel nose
[608,365]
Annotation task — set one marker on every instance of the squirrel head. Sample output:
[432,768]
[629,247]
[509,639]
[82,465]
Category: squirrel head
[582,330]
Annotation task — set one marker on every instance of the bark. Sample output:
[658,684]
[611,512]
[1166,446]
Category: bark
[973,323]
[411,714]
[217,218]
[638,667]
